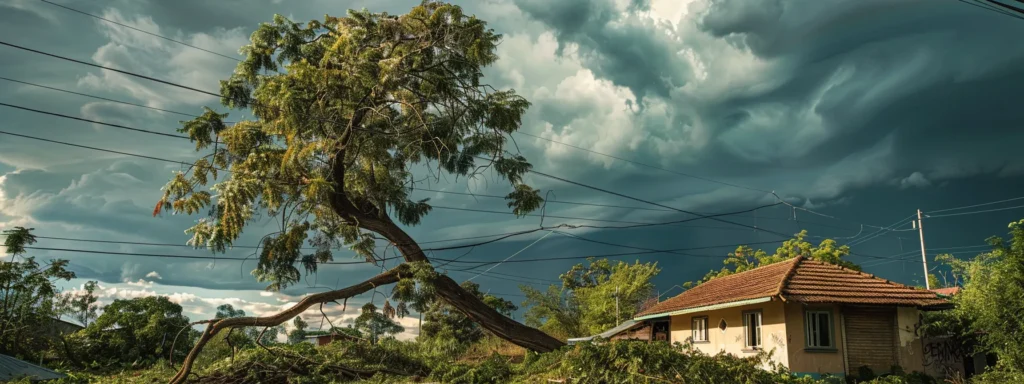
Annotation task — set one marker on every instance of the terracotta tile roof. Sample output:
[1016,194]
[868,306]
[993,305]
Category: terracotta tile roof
[800,280]
[947,291]
[755,283]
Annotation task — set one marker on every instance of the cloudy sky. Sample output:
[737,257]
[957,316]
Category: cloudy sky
[857,112]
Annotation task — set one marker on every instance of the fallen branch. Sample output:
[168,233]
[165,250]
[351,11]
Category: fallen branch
[214,327]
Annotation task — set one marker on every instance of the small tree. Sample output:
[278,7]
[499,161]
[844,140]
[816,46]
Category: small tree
[82,305]
[299,333]
[585,304]
[139,329]
[29,298]
[376,323]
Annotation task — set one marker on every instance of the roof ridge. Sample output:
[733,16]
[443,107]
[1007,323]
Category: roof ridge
[734,274]
[870,276]
[789,273]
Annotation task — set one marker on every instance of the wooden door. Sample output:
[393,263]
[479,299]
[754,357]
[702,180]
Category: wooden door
[870,334]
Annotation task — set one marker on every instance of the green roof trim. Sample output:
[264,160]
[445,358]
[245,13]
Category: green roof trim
[707,308]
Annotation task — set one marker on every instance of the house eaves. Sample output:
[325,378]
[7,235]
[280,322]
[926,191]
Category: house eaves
[739,303]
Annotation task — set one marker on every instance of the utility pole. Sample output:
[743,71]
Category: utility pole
[924,259]
[616,306]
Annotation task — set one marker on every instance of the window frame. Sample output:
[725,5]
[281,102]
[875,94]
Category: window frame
[757,334]
[808,337]
[706,334]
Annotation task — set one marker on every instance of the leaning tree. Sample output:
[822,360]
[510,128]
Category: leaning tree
[345,109]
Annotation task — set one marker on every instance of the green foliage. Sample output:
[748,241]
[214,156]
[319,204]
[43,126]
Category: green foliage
[442,323]
[990,301]
[746,258]
[82,306]
[392,361]
[139,330]
[29,299]
[585,303]
[640,362]
[377,323]
[362,101]
[299,333]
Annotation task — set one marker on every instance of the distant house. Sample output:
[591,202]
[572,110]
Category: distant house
[11,369]
[947,292]
[64,327]
[818,318]
[327,338]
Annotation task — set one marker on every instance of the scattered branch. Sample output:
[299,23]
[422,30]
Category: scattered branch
[215,326]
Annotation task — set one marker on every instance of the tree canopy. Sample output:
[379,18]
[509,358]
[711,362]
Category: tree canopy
[141,328]
[585,304]
[346,111]
[745,258]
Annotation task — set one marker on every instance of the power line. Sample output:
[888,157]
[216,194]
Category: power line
[94,121]
[141,30]
[912,256]
[646,165]
[880,232]
[576,218]
[629,207]
[633,224]
[110,69]
[546,201]
[133,254]
[98,97]
[512,255]
[520,276]
[975,212]
[564,180]
[94,148]
[691,176]
[996,10]
[610,255]
[976,205]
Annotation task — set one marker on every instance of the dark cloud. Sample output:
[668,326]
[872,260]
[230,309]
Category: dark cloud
[629,50]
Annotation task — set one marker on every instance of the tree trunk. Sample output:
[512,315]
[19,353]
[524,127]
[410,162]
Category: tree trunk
[453,293]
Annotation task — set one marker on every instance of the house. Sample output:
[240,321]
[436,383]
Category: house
[11,369]
[327,338]
[816,318]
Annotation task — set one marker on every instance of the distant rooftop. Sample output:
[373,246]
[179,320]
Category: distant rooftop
[11,368]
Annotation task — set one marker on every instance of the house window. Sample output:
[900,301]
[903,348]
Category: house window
[818,329]
[752,329]
[699,325]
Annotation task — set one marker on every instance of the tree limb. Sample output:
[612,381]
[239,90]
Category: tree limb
[214,327]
